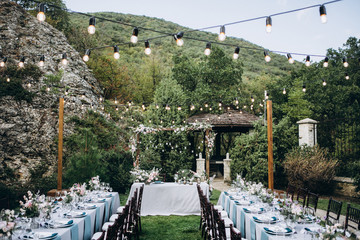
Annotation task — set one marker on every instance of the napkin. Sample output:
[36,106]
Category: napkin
[75,214]
[265,219]
[65,222]
[278,230]
[42,235]
[253,209]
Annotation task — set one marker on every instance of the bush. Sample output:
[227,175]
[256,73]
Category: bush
[311,168]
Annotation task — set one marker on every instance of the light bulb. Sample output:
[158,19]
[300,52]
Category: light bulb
[267,58]
[147,48]
[41,63]
[87,55]
[2,64]
[116,101]
[8,79]
[323,17]
[252,99]
[268,24]
[91,28]
[324,82]
[210,108]
[307,62]
[207,49]
[29,84]
[235,56]
[304,88]
[326,62]
[21,64]
[116,55]
[133,39]
[345,63]
[290,59]
[86,58]
[41,15]
[48,89]
[347,76]
[222,35]
[236,53]
[284,91]
[180,42]
[64,60]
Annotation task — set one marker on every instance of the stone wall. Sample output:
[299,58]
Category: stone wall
[28,131]
[345,187]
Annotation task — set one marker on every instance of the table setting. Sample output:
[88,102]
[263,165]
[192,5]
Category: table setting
[71,214]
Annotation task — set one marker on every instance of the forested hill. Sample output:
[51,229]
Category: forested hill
[143,69]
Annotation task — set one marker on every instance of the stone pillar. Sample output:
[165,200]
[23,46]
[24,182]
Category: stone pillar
[227,161]
[200,165]
[307,132]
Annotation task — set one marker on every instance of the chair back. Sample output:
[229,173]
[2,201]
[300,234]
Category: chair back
[290,191]
[112,231]
[312,201]
[102,236]
[235,234]
[219,225]
[335,208]
[352,215]
[302,195]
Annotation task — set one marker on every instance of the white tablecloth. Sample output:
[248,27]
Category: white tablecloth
[170,198]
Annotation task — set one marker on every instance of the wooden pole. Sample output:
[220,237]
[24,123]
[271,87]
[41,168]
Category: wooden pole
[270,145]
[60,145]
[207,153]
[137,149]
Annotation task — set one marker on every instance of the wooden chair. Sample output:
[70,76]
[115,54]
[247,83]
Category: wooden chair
[138,212]
[210,231]
[312,201]
[112,231]
[335,208]
[202,206]
[98,236]
[219,225]
[290,191]
[301,196]
[353,215]
[234,233]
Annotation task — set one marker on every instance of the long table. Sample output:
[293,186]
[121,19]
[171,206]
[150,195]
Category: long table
[170,198]
[84,228]
[251,229]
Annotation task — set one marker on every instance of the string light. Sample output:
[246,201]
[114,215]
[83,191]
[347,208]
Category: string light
[64,60]
[22,61]
[241,111]
[143,107]
[42,61]
[3,62]
[268,24]
[48,89]
[201,109]
[117,109]
[345,63]
[91,28]
[220,103]
[116,52]
[267,96]
[167,107]
[267,57]
[252,99]
[347,76]
[192,107]
[147,48]
[236,53]
[86,57]
[307,62]
[116,101]
[206,105]
[178,38]
[8,79]
[41,14]
[157,106]
[236,101]
[210,108]
[284,91]
[222,35]
[304,88]
[326,62]
[134,36]
[290,59]
[324,82]
[129,103]
[179,108]
[207,49]
[29,84]
[323,17]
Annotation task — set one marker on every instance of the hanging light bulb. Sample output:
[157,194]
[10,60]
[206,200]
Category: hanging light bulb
[324,82]
[267,96]
[290,59]
[207,49]
[147,48]
[347,77]
[345,63]
[42,61]
[201,108]
[268,24]
[22,62]
[304,88]
[157,106]
[323,17]
[3,62]
[167,107]
[100,99]
[210,108]
[241,111]
[236,53]
[222,35]
[307,61]
[143,107]
[91,28]
[86,57]
[245,106]
[41,14]
[48,89]
[134,36]
[8,79]
[178,38]
[284,91]
[236,101]
[117,109]
[129,103]
[29,84]
[64,60]
[252,99]
[206,105]
[220,103]
[116,101]
[179,108]
[267,56]
[326,62]
[192,107]
[116,52]
[127,109]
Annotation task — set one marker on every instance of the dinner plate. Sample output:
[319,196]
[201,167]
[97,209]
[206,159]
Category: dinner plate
[244,202]
[254,210]
[46,235]
[277,230]
[90,206]
[63,224]
[76,214]
[306,219]
[266,219]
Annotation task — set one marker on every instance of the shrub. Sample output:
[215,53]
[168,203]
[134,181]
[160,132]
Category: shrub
[311,168]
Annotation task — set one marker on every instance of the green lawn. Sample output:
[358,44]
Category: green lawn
[323,204]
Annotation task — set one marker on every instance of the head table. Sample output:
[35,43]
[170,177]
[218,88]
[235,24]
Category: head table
[170,198]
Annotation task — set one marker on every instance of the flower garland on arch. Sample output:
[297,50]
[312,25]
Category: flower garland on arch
[210,138]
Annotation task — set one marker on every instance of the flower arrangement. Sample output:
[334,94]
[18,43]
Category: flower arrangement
[331,232]
[68,197]
[255,188]
[210,139]
[266,196]
[94,183]
[30,207]
[7,223]
[140,175]
[78,189]
[186,175]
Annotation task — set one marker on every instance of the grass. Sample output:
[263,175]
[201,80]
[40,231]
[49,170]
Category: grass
[323,204]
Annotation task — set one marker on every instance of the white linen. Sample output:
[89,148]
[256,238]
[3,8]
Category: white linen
[170,199]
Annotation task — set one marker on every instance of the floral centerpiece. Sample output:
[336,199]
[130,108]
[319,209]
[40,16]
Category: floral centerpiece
[94,183]
[255,188]
[78,189]
[331,232]
[30,207]
[186,175]
[69,196]
[140,175]
[7,223]
[266,196]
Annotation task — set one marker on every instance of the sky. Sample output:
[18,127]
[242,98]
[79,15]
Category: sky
[300,32]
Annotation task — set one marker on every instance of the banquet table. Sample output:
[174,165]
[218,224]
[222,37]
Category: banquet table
[83,228]
[170,198]
[252,230]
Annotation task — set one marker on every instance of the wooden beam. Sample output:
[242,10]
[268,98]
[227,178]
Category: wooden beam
[207,153]
[270,145]
[60,145]
[137,149]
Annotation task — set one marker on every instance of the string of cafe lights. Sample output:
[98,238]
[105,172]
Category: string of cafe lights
[179,41]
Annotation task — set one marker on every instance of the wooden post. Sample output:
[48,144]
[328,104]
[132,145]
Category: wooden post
[60,145]
[270,145]
[137,149]
[207,153]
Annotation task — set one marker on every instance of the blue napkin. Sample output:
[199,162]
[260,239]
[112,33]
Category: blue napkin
[287,230]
